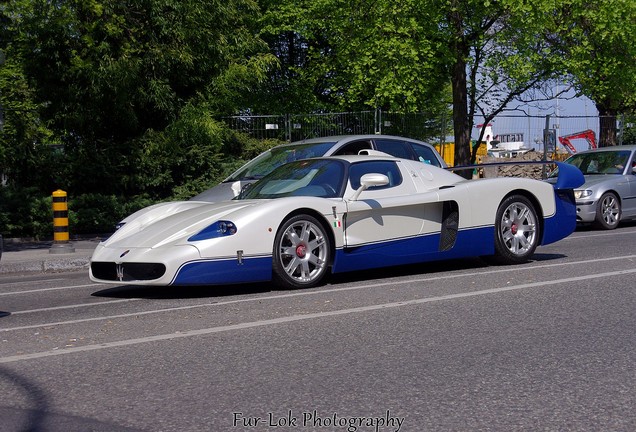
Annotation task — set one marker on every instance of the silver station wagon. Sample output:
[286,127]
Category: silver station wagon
[609,193]
[265,163]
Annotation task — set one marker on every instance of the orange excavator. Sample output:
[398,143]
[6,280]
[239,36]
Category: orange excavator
[588,135]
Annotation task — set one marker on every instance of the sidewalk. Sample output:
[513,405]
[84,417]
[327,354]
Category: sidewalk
[42,257]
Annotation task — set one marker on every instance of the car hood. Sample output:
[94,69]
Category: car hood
[595,180]
[222,192]
[171,223]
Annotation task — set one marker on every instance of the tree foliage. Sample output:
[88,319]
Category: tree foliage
[595,41]
[118,102]
[413,55]
[496,54]
[108,75]
[361,55]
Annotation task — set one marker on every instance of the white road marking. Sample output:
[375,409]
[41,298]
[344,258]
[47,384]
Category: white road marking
[34,281]
[74,306]
[602,234]
[319,291]
[297,318]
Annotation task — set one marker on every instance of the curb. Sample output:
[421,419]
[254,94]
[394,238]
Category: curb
[45,265]
[46,257]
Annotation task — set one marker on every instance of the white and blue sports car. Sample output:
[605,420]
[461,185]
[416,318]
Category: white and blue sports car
[337,214]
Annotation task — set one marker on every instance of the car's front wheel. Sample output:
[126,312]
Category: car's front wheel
[516,230]
[301,252]
[608,211]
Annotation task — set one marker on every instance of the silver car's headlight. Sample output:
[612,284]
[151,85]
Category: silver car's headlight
[578,194]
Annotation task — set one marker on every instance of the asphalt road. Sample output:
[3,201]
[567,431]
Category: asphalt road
[454,346]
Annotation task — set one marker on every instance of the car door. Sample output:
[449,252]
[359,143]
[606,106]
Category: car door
[381,215]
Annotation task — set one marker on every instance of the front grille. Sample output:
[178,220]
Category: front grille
[127,271]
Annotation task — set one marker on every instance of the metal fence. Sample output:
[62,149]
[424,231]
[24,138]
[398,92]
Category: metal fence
[294,127]
[422,126]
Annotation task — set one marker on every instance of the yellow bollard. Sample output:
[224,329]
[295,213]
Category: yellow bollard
[60,216]
[60,224]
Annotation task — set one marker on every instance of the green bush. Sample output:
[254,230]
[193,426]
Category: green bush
[99,214]
[25,213]
[177,166]
[94,213]
[629,132]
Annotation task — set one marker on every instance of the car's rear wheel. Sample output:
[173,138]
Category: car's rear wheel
[301,252]
[608,211]
[516,230]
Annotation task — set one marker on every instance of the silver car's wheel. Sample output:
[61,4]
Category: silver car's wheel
[301,252]
[608,211]
[517,230]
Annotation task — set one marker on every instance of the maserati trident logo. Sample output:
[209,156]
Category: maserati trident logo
[120,271]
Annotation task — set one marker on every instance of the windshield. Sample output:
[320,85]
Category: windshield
[600,162]
[317,177]
[266,162]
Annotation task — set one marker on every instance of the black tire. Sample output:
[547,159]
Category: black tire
[516,230]
[301,254]
[608,211]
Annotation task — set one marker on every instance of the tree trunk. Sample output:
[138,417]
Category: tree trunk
[460,117]
[460,89]
[607,120]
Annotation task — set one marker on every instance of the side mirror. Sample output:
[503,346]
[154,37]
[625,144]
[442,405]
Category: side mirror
[244,189]
[370,180]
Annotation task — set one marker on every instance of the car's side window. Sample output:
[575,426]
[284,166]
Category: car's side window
[353,148]
[395,148]
[388,168]
[425,154]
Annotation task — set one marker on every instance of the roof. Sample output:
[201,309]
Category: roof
[336,138]
[610,148]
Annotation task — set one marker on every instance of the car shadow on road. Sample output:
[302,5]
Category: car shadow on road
[182,292]
[385,273]
[432,268]
[424,269]
[547,257]
[591,228]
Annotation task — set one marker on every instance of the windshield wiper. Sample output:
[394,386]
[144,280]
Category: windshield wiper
[232,180]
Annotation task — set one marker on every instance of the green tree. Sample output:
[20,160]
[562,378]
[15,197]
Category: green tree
[410,55]
[187,157]
[596,43]
[105,73]
[498,58]
[360,55]
[27,144]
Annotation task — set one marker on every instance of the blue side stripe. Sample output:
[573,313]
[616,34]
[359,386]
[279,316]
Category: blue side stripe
[228,271]
[469,243]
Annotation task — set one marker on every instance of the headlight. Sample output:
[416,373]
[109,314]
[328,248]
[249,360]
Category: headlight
[217,229]
[578,194]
